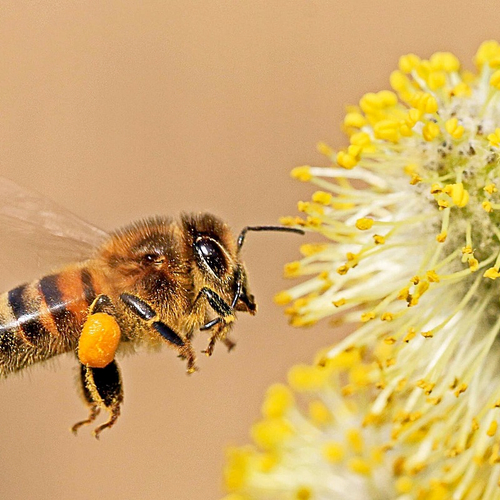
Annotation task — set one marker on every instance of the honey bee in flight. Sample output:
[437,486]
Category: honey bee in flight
[157,281]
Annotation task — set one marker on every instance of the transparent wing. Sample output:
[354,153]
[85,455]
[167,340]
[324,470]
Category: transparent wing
[38,236]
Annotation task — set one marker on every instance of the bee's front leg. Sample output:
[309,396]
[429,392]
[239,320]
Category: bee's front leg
[221,325]
[146,313]
[102,388]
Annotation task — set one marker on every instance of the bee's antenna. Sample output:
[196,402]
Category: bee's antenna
[241,237]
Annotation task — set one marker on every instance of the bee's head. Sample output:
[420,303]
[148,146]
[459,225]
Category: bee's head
[216,261]
[216,253]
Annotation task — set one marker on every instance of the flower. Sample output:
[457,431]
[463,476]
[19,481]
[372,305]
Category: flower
[412,211]
[318,440]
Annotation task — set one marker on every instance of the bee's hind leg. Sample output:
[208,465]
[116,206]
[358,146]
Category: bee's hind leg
[102,388]
[93,406]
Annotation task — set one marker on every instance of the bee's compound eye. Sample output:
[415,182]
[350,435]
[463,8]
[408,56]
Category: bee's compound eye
[211,254]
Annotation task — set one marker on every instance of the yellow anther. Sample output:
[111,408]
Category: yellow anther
[467,250]
[322,197]
[399,81]
[430,131]
[461,90]
[339,303]
[487,50]
[313,222]
[442,204]
[436,80]
[424,102]
[415,179]
[434,401]
[495,79]
[410,169]
[494,138]
[473,264]
[346,160]
[490,188]
[410,335]
[282,298]
[491,273]
[292,269]
[413,117]
[487,206]
[379,240]
[279,398]
[444,61]
[404,293]
[303,206]
[401,384]
[291,221]
[441,237]
[307,378]
[342,270]
[345,359]
[460,389]
[355,439]
[404,484]
[432,276]
[369,103]
[387,316]
[319,413]
[408,63]
[302,173]
[387,98]
[494,62]
[333,452]
[390,340]
[436,189]
[359,465]
[325,149]
[387,130]
[367,316]
[422,287]
[364,223]
[308,249]
[427,335]
[459,195]
[361,139]
[453,128]
[354,150]
[474,424]
[351,256]
[360,375]
[492,429]
[270,433]
[415,280]
[354,119]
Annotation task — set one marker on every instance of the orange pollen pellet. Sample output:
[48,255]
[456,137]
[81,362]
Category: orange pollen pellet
[99,340]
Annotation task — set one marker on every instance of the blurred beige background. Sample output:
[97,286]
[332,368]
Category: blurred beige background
[123,109]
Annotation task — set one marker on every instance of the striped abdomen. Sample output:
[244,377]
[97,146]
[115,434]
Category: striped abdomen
[42,319]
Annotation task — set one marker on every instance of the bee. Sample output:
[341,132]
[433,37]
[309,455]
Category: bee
[156,282]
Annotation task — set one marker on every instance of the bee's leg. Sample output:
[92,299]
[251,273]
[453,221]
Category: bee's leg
[145,312]
[102,389]
[94,407]
[220,325]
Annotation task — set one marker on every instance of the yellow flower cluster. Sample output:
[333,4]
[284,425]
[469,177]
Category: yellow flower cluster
[410,215]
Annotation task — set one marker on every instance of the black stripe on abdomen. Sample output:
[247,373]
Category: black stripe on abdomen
[88,287]
[64,319]
[27,314]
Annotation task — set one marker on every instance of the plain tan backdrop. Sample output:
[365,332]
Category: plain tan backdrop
[122,109]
